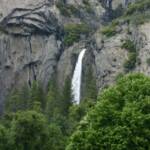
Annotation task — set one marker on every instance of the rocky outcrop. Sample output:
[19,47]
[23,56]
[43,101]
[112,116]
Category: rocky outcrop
[141,37]
[109,58]
[24,21]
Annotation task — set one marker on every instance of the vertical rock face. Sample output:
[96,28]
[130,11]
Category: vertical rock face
[24,59]
[141,37]
[7,6]
[29,47]
[109,59]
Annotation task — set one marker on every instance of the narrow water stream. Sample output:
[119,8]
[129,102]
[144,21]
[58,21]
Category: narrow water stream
[77,76]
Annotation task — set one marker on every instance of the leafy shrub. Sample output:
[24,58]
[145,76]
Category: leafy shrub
[139,6]
[138,18]
[118,76]
[86,2]
[130,63]
[64,11]
[3,137]
[73,10]
[137,13]
[129,45]
[141,18]
[110,30]
[67,10]
[73,33]
[87,6]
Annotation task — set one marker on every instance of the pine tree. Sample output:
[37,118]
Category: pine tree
[18,99]
[66,97]
[24,96]
[3,137]
[90,91]
[53,99]
[13,101]
[37,95]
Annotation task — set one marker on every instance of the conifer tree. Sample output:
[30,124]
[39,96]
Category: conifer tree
[52,106]
[3,137]
[90,91]
[66,96]
[37,95]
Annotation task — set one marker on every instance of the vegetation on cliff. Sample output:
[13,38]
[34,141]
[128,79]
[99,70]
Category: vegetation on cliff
[73,33]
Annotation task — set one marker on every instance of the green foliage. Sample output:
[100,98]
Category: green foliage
[110,30]
[86,2]
[37,95]
[28,131]
[56,138]
[55,107]
[138,12]
[61,6]
[73,33]
[38,120]
[66,99]
[3,137]
[53,99]
[120,120]
[58,105]
[139,18]
[67,10]
[26,98]
[130,63]
[90,87]
[118,76]
[139,6]
[87,6]
[129,45]
[77,112]
[19,99]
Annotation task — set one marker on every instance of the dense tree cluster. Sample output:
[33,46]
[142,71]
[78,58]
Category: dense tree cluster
[38,120]
[120,120]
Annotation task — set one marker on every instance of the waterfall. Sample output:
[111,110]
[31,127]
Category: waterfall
[76,80]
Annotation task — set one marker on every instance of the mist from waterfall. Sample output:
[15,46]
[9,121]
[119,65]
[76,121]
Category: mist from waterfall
[76,80]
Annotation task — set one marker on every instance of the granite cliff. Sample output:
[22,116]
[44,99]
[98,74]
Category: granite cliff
[33,46]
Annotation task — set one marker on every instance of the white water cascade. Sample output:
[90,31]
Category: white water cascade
[76,80]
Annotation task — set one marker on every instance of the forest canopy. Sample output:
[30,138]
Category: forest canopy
[120,120]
